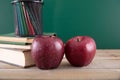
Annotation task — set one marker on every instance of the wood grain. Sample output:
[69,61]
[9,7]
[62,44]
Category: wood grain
[105,66]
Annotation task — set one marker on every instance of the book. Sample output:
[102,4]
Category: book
[17,57]
[11,37]
[14,43]
[12,46]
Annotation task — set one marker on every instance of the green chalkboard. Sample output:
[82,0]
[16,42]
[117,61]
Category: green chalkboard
[99,19]
[6,17]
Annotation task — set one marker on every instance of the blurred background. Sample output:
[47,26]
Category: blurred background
[99,19]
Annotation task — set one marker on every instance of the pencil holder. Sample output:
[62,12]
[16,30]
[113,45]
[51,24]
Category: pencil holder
[27,17]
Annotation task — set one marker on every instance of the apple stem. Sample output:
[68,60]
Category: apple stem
[52,36]
[78,40]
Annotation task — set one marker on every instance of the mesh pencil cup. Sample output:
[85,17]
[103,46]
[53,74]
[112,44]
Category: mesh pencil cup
[28,19]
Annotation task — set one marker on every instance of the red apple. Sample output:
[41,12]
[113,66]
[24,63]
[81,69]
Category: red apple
[47,51]
[80,50]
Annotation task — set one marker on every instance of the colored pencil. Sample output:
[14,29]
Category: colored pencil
[23,20]
[16,21]
[29,25]
[20,25]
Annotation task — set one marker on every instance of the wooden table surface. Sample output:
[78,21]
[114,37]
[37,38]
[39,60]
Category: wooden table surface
[105,66]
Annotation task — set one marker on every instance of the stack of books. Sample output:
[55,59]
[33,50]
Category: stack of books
[16,50]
